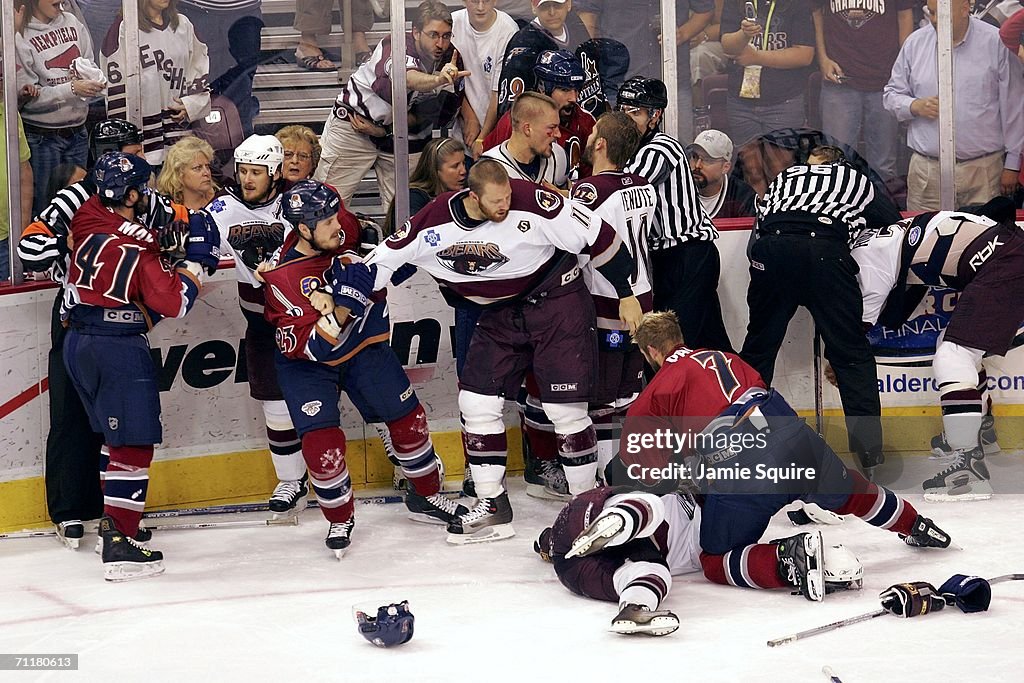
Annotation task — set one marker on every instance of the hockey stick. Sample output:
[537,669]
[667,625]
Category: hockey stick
[819,417]
[863,617]
[284,521]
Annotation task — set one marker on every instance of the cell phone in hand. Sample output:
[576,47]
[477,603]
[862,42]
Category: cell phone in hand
[749,11]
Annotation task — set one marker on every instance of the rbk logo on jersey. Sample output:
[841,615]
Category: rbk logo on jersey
[985,253]
[474,258]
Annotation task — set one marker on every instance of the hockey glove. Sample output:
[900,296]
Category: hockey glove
[911,599]
[393,625]
[203,242]
[402,274]
[173,238]
[969,593]
[351,285]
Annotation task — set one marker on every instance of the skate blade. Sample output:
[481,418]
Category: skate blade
[424,518]
[339,553]
[658,626]
[130,571]
[820,515]
[544,493]
[69,543]
[603,531]
[975,490]
[816,570]
[485,535]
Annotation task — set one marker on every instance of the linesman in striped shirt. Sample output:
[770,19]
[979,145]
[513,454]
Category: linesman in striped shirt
[806,222]
[685,264]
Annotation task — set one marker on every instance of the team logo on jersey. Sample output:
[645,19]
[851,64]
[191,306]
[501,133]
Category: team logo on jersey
[524,226]
[308,285]
[402,232]
[614,339]
[311,408]
[488,64]
[914,236]
[585,193]
[113,423]
[432,238]
[547,200]
[217,205]
[626,180]
[473,258]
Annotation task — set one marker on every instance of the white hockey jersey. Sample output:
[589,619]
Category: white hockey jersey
[553,169]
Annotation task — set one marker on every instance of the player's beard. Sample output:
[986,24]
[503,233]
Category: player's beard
[588,154]
[496,216]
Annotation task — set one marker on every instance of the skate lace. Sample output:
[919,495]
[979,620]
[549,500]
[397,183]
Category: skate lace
[133,542]
[957,464]
[553,475]
[287,490]
[340,529]
[479,511]
[443,503]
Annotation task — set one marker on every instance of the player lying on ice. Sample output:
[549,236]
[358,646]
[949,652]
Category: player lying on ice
[623,544]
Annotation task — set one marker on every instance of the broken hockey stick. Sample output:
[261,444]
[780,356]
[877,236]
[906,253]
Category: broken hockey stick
[819,404]
[863,617]
[234,524]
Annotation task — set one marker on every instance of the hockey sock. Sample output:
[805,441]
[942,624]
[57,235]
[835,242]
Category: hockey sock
[324,451]
[483,437]
[642,583]
[104,461]
[752,566]
[578,455]
[878,506]
[962,413]
[607,421]
[643,513]
[285,446]
[410,441]
[127,481]
[540,433]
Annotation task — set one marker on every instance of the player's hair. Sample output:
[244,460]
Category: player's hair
[829,154]
[486,172]
[660,330]
[431,10]
[179,156]
[426,176]
[170,16]
[300,133]
[529,106]
[621,135]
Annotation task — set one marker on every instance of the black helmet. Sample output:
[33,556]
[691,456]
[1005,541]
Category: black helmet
[641,91]
[112,135]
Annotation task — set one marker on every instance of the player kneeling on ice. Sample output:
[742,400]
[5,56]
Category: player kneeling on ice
[624,546]
[332,337]
[754,456]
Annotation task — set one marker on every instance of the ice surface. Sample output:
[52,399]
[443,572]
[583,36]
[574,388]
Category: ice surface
[261,604]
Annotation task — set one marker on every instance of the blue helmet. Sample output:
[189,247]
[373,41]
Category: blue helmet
[559,69]
[310,202]
[392,626]
[117,172]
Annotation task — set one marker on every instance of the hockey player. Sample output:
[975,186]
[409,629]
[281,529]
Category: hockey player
[74,453]
[626,202]
[983,260]
[508,246]
[530,153]
[321,354]
[715,393]
[118,286]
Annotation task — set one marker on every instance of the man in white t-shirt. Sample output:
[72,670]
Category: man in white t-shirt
[480,33]
[721,195]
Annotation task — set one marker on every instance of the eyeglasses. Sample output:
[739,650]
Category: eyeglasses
[630,111]
[434,35]
[301,156]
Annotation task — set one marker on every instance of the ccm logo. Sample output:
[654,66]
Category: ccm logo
[564,387]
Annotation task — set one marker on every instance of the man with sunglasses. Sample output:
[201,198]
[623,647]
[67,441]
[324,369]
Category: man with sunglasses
[721,195]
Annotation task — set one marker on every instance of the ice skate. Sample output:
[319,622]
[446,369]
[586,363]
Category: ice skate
[489,520]
[597,535]
[289,497]
[941,450]
[126,559]
[925,534]
[339,536]
[800,564]
[812,513]
[70,533]
[546,479]
[633,619]
[966,478]
[468,488]
[142,536]
[433,509]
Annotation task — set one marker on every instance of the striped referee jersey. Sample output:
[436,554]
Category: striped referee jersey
[679,216]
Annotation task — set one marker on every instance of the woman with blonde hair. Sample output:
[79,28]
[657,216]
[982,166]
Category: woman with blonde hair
[186,177]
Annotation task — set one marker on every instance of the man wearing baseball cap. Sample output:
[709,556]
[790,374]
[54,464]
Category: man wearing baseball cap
[722,196]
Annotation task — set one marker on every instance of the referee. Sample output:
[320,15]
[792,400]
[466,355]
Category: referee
[684,259]
[807,219]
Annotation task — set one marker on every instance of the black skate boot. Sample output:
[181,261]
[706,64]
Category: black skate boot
[925,534]
[124,558]
[489,520]
[143,535]
[468,488]
[290,496]
[800,564]
[339,536]
[941,450]
[433,509]
[545,479]
[966,478]
[70,533]
[633,619]
[597,535]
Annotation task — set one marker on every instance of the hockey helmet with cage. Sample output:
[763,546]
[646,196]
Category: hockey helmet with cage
[116,173]
[260,150]
[393,625]
[310,202]
[113,135]
[640,91]
[559,69]
[843,571]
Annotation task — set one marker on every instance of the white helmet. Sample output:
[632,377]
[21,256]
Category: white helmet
[260,150]
[843,571]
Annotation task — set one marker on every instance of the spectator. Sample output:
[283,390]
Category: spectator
[26,185]
[357,136]
[721,195]
[54,118]
[175,75]
[988,90]
[1012,35]
[554,21]
[313,16]
[481,34]
[231,32]
[301,152]
[186,177]
[856,50]
[637,23]
[772,55]
[707,57]
[441,168]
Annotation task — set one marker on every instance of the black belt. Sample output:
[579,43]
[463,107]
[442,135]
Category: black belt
[67,132]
